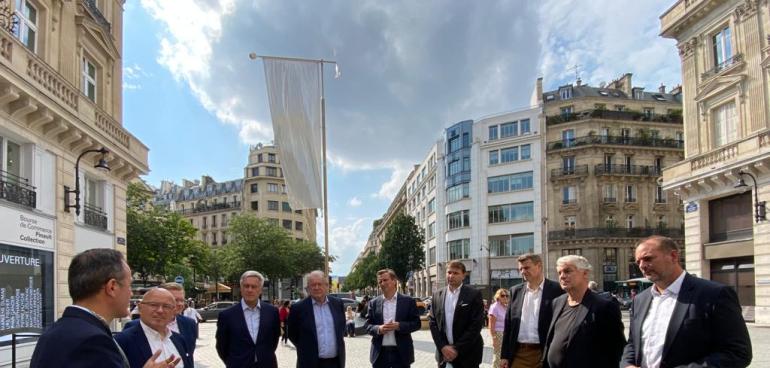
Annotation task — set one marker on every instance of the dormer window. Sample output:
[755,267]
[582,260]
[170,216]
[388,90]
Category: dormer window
[565,92]
[604,93]
[638,93]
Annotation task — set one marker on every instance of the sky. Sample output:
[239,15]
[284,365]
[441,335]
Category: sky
[408,70]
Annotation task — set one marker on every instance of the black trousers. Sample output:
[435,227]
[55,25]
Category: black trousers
[389,358]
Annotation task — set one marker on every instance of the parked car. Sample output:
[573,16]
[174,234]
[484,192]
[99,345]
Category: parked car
[422,307]
[349,302]
[211,311]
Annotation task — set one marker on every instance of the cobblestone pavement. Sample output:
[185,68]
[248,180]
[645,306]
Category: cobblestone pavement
[357,349]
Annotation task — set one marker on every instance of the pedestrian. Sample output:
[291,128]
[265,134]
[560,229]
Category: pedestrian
[192,313]
[496,316]
[586,329]
[152,333]
[486,312]
[391,320]
[350,322]
[528,316]
[248,332]
[683,320]
[363,307]
[317,326]
[456,320]
[283,315]
[99,283]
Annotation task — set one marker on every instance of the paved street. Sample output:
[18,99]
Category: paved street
[358,349]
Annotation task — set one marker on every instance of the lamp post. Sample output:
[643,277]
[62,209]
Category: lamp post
[489,268]
[192,264]
[760,211]
[101,165]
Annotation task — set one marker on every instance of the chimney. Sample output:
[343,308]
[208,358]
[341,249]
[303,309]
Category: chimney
[578,82]
[537,93]
[625,84]
[676,90]
[662,88]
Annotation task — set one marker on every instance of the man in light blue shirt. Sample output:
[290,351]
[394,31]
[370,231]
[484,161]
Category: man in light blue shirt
[317,326]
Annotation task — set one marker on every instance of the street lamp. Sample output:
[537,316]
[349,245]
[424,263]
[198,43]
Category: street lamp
[489,268]
[192,264]
[101,165]
[759,207]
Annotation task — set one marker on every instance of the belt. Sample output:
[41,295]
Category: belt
[525,345]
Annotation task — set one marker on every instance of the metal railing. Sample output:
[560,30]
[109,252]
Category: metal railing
[21,335]
[675,118]
[569,201]
[577,170]
[16,189]
[638,170]
[615,141]
[211,207]
[94,216]
[610,199]
[723,65]
[606,232]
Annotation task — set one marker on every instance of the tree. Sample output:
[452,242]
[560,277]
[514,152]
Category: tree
[365,273]
[402,249]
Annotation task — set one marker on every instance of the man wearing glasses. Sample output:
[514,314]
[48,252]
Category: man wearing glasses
[152,333]
[528,316]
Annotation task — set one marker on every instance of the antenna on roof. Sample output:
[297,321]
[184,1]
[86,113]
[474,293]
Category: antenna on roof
[576,68]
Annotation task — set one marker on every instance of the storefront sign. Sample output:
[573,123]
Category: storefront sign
[22,228]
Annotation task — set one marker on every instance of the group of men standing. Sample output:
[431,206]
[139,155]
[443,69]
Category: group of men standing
[680,321]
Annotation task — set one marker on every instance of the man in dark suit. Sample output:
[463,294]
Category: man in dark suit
[152,332]
[317,326]
[456,318]
[528,316]
[683,320]
[180,324]
[586,329]
[248,332]
[100,286]
[392,319]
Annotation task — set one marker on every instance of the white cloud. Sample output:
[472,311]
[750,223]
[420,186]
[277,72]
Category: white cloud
[354,202]
[347,236]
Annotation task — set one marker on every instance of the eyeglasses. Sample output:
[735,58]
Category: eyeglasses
[504,295]
[160,306]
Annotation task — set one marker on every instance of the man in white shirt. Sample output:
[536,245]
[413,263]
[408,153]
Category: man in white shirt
[152,333]
[391,320]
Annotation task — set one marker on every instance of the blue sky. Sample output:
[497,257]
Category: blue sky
[409,69]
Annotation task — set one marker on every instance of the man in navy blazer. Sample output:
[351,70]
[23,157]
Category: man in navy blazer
[683,320]
[317,326]
[391,320]
[100,286]
[248,332]
[152,332]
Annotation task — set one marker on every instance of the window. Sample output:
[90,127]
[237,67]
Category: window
[431,231]
[525,152]
[566,111]
[494,157]
[431,256]
[648,112]
[731,218]
[568,195]
[454,167]
[660,196]
[569,223]
[456,220]
[272,188]
[493,132]
[285,207]
[255,205]
[573,251]
[508,183]
[286,224]
[568,137]
[299,212]
[259,157]
[509,129]
[511,212]
[224,220]
[565,93]
[524,126]
[271,158]
[213,221]
[26,31]
[298,226]
[271,171]
[10,157]
[272,205]
[509,154]
[725,124]
[511,245]
[89,79]
[638,93]
[568,164]
[255,188]
[722,47]
[283,188]
[205,222]
[254,171]
[630,193]
[432,205]
[459,249]
[620,107]
[457,193]
[213,238]
[610,194]
[630,222]
[454,144]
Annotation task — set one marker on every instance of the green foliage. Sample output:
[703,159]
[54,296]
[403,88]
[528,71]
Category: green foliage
[365,273]
[402,249]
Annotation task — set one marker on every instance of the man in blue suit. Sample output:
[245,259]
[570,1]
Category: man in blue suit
[391,320]
[248,332]
[317,326]
[152,332]
[100,286]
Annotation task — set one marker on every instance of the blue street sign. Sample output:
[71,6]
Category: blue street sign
[179,280]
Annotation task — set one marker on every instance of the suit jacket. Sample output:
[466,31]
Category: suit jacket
[706,328]
[187,328]
[135,345]
[77,340]
[596,338]
[234,344]
[302,332]
[408,318]
[466,326]
[510,343]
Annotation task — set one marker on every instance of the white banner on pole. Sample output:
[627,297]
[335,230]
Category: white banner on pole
[294,93]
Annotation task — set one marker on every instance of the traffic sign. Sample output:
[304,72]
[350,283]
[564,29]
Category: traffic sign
[179,280]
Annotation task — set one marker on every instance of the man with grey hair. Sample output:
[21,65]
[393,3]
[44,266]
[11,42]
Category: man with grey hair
[317,326]
[248,332]
[586,330]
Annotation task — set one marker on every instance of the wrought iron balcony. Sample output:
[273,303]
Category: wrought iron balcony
[735,59]
[611,140]
[98,16]
[210,208]
[607,232]
[95,216]
[610,199]
[569,201]
[636,170]
[17,190]
[675,118]
[578,170]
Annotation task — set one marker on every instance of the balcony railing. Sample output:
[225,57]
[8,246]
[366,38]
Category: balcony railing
[578,170]
[614,141]
[569,201]
[605,232]
[17,190]
[95,216]
[660,200]
[210,208]
[637,170]
[610,199]
[737,58]
[674,118]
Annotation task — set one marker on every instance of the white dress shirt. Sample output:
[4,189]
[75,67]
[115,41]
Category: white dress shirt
[449,311]
[389,315]
[252,319]
[656,322]
[530,314]
[173,326]
[158,342]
